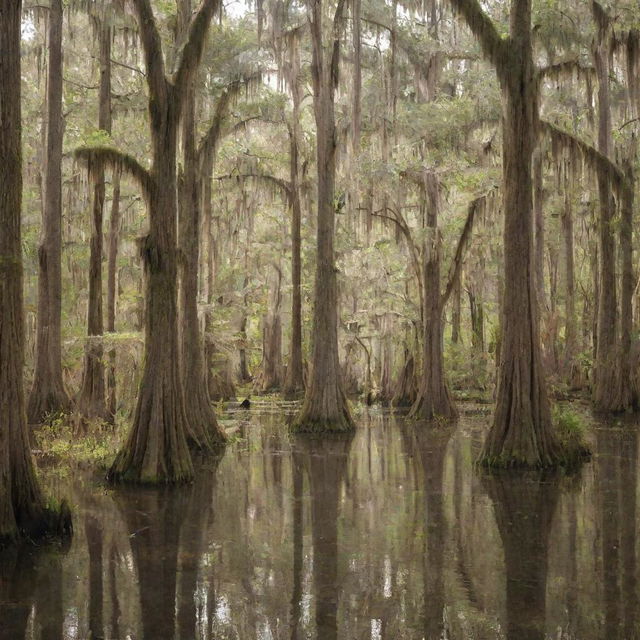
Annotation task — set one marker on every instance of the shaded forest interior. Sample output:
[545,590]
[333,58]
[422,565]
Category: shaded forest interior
[362,216]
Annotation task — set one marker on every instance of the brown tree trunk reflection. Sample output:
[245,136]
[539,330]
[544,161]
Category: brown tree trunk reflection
[524,509]
[192,544]
[428,449]
[617,483]
[154,518]
[17,584]
[93,532]
[296,595]
[326,464]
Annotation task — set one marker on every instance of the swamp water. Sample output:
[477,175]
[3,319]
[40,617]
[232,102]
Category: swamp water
[390,535]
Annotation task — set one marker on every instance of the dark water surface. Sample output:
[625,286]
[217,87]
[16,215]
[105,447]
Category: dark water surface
[392,534]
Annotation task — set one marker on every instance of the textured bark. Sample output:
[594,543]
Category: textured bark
[112,267]
[156,448]
[571,369]
[456,312]
[243,369]
[521,433]
[218,370]
[325,405]
[434,400]
[203,430]
[47,393]
[406,387]
[294,382]
[271,375]
[626,399]
[476,313]
[538,216]
[22,505]
[605,360]
[91,400]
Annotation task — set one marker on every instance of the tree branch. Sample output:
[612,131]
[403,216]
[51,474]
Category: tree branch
[494,46]
[192,49]
[594,158]
[283,185]
[152,45]
[563,69]
[209,141]
[463,244]
[335,54]
[113,158]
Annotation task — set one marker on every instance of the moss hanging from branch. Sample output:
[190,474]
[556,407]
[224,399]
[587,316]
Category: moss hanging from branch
[562,140]
[117,160]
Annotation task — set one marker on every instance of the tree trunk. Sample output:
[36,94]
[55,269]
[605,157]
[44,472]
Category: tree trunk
[625,398]
[272,338]
[605,360]
[156,448]
[325,407]
[114,235]
[538,214]
[294,382]
[476,312]
[456,312]
[204,432]
[406,388]
[571,369]
[434,399]
[47,393]
[91,400]
[22,505]
[243,371]
[521,433]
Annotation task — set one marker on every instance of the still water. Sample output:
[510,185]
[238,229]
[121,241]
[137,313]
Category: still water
[392,534]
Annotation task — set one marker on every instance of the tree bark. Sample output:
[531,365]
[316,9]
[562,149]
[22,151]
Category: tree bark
[156,448]
[570,332]
[325,407]
[48,394]
[204,432]
[521,433]
[91,400]
[605,357]
[22,505]
[272,337]
[294,382]
[434,399]
[112,268]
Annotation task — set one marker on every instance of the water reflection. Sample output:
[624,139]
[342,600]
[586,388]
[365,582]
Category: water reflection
[427,448]
[18,575]
[616,469]
[325,461]
[524,509]
[391,534]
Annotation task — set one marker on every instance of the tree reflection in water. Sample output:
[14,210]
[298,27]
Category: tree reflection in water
[325,461]
[524,507]
[393,534]
[427,446]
